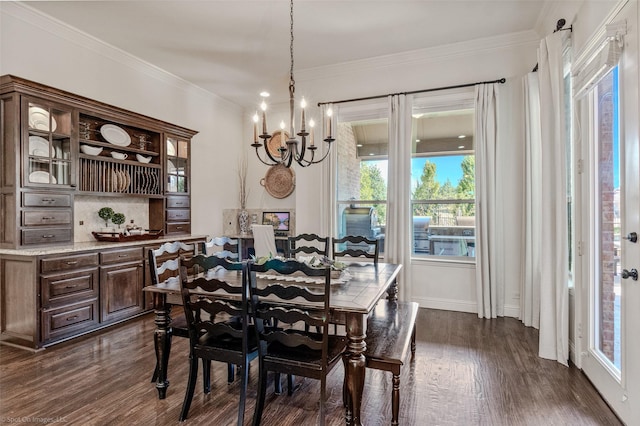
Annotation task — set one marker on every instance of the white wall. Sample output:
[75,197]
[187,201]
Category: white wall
[48,52]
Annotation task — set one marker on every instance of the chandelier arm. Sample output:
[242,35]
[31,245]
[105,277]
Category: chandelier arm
[271,157]
[310,161]
[275,162]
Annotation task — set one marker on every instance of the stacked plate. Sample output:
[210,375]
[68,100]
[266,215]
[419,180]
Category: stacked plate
[40,147]
[39,119]
[41,177]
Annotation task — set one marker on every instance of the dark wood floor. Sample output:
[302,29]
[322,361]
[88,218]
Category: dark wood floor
[467,371]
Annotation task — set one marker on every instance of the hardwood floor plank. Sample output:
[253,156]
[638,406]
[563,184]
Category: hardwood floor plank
[467,371]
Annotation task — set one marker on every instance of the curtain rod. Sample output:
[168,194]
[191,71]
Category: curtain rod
[458,86]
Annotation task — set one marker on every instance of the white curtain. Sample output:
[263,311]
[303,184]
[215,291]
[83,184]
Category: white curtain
[545,291]
[530,284]
[489,288]
[399,215]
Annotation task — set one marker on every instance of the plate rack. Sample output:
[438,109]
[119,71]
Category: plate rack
[119,178]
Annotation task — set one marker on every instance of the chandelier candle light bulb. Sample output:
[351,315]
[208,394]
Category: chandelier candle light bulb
[329,115]
[263,106]
[255,127]
[311,124]
[303,104]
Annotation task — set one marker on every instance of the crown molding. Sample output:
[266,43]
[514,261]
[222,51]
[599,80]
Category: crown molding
[424,56]
[27,14]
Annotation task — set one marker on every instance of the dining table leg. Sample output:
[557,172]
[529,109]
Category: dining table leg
[355,366]
[162,341]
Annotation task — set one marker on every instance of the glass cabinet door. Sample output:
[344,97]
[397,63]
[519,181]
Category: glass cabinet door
[48,148]
[177,165]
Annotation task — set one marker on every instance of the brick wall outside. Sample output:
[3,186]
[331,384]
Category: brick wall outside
[607,216]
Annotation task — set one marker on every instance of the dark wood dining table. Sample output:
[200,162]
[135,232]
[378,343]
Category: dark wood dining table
[351,303]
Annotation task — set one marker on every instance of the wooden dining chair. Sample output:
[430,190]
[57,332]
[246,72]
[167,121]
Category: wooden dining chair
[222,247]
[212,335]
[293,350]
[264,241]
[164,267]
[356,246]
[309,244]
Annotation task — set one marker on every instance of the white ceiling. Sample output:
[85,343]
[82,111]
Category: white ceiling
[236,48]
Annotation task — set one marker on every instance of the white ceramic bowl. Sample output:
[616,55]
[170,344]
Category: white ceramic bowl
[90,150]
[142,158]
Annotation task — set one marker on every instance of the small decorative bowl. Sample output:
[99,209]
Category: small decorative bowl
[142,158]
[90,150]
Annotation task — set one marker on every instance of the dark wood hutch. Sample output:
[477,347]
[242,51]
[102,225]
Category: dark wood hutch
[54,146]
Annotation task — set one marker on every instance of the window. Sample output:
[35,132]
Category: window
[362,142]
[443,183]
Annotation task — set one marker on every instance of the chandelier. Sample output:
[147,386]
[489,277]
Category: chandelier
[281,148]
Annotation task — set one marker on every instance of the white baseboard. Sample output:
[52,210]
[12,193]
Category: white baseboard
[461,306]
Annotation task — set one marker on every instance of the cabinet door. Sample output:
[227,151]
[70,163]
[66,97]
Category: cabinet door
[178,163]
[47,144]
[121,291]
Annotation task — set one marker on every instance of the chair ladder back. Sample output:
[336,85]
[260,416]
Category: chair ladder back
[221,247]
[356,246]
[266,306]
[162,271]
[320,245]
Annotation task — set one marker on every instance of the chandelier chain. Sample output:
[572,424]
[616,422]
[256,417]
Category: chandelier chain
[291,80]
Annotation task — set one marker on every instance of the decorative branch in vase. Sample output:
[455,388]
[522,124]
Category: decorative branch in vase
[243,215]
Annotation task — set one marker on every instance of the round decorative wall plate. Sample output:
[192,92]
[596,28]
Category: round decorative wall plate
[279,181]
[275,142]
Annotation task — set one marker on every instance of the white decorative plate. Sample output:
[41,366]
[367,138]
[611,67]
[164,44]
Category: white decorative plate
[39,119]
[115,135]
[40,147]
[41,177]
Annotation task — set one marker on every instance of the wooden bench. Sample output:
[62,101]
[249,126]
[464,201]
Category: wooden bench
[391,331]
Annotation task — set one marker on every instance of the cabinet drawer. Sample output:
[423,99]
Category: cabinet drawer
[45,236]
[37,199]
[121,256]
[45,217]
[177,215]
[178,202]
[179,228]
[59,289]
[69,320]
[67,263]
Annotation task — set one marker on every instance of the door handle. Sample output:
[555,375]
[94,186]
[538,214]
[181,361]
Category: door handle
[632,237]
[632,273]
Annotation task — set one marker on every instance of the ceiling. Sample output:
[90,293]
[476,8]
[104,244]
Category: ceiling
[237,48]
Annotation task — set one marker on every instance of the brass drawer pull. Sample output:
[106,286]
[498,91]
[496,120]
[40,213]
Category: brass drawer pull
[48,236]
[71,262]
[48,217]
[179,204]
[72,318]
[48,200]
[123,255]
[71,286]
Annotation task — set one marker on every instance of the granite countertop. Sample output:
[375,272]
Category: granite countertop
[91,245]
